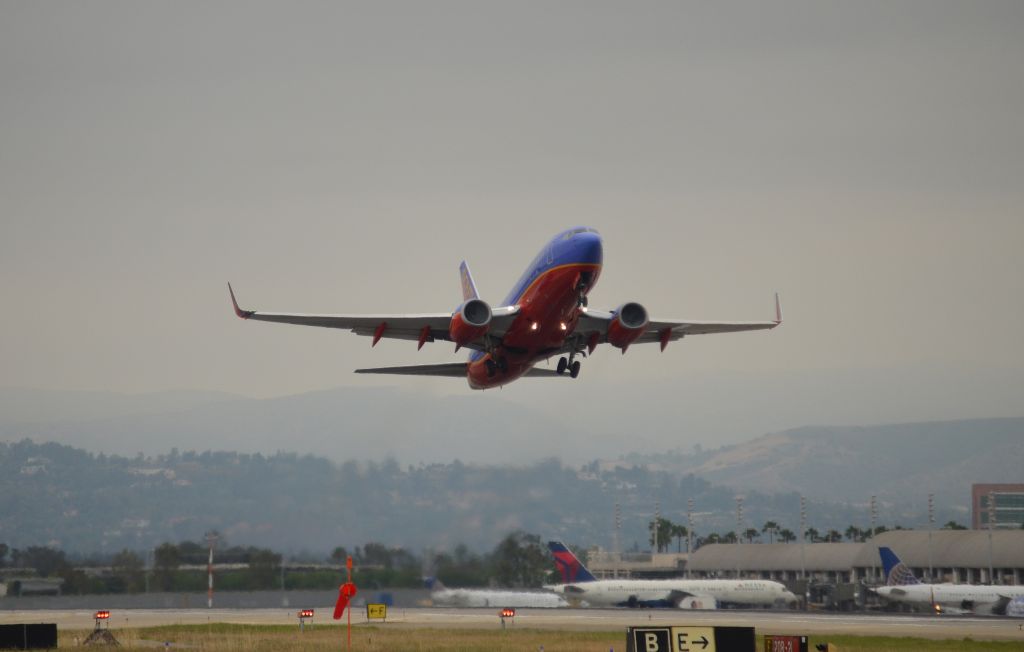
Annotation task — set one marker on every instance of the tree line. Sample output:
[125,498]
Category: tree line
[519,560]
[663,531]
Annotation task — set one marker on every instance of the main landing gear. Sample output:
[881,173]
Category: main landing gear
[563,364]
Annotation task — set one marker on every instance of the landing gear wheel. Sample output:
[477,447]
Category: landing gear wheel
[574,370]
[562,364]
[491,368]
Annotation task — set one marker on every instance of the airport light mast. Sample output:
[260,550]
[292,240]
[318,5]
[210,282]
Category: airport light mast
[803,537]
[991,525]
[211,539]
[739,530]
[618,548]
[931,526]
[689,534]
[874,517]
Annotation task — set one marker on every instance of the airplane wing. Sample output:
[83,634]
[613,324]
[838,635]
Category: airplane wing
[454,369]
[427,327]
[595,322]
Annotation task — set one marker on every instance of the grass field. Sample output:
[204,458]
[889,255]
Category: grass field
[245,638]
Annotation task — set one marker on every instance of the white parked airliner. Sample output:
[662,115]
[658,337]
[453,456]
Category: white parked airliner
[580,586]
[442,596]
[902,586]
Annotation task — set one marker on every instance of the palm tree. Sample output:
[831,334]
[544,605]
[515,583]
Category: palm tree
[664,531]
[812,535]
[833,536]
[729,537]
[853,533]
[786,535]
[771,527]
[750,533]
[680,531]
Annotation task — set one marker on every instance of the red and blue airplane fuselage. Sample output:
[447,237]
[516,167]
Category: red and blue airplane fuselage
[550,295]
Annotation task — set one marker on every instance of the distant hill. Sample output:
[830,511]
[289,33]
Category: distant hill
[897,463]
[341,424]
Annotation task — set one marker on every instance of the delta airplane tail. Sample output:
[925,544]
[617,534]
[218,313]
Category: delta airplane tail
[896,572]
[571,569]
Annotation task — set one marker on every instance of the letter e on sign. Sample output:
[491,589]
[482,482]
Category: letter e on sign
[693,639]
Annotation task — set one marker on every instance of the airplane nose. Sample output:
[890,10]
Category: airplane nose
[588,246]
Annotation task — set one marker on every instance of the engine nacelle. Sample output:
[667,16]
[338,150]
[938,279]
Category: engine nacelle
[470,321]
[627,325]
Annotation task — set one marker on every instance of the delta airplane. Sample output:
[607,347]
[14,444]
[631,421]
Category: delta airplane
[902,586]
[442,596]
[579,585]
[544,315]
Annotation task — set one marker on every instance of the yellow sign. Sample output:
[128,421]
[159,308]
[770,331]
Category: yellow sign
[376,611]
[693,639]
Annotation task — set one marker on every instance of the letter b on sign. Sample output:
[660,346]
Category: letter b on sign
[649,639]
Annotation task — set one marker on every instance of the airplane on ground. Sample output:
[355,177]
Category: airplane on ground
[544,315]
[902,586]
[442,596]
[579,585]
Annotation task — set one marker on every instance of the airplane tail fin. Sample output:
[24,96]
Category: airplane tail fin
[571,568]
[896,572]
[468,286]
[433,583]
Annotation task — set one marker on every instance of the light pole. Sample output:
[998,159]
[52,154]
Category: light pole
[618,527]
[211,539]
[739,529]
[931,526]
[991,525]
[874,517]
[689,534]
[803,536]
[657,517]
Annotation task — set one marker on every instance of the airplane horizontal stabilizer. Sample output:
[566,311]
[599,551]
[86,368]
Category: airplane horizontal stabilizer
[452,369]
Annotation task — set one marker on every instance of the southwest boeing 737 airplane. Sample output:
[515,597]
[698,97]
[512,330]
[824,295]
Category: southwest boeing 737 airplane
[579,585]
[544,315]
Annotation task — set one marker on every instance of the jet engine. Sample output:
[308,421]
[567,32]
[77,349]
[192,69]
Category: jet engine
[627,325]
[469,322]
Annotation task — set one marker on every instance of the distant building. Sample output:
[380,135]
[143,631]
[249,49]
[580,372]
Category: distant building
[1008,510]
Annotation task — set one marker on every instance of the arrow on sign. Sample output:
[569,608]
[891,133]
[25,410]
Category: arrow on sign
[703,640]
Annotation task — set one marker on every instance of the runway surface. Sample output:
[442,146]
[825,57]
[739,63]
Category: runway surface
[766,622]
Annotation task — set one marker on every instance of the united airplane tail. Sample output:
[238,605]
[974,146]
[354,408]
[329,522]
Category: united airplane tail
[571,569]
[896,572]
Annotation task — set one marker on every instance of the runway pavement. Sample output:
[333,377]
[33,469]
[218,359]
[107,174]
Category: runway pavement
[765,622]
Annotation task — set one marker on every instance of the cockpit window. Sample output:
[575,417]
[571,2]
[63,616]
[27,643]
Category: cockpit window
[577,231]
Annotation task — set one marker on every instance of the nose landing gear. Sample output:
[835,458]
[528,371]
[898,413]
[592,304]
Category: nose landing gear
[494,365]
[573,366]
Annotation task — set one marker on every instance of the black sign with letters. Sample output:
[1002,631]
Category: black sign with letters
[683,638]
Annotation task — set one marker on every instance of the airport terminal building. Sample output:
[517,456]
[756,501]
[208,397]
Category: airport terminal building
[958,556]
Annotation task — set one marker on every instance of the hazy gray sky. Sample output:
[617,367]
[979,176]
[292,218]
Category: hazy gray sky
[864,159]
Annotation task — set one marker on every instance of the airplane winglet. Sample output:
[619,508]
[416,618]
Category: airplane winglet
[468,286]
[778,310]
[244,314]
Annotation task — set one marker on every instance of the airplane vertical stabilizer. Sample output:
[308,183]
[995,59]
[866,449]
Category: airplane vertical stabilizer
[571,568]
[896,572]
